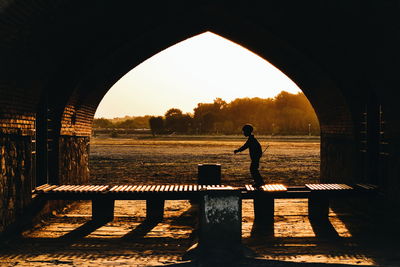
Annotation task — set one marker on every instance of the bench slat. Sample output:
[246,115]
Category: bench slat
[146,188]
[86,188]
[152,189]
[90,188]
[139,188]
[328,187]
[59,188]
[104,188]
[123,189]
[133,188]
[128,188]
[94,188]
[41,187]
[68,188]
[113,188]
[79,189]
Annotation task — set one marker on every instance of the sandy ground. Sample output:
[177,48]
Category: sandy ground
[69,238]
[175,161]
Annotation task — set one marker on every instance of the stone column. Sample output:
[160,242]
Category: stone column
[220,226]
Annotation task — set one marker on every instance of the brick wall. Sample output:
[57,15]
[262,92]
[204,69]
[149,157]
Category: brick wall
[77,120]
[73,160]
[15,178]
[339,159]
[17,109]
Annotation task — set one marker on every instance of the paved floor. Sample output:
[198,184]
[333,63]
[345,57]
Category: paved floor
[69,238]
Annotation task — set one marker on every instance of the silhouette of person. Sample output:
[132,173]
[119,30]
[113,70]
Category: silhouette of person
[255,154]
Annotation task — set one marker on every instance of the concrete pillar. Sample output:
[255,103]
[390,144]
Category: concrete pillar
[209,174]
[220,227]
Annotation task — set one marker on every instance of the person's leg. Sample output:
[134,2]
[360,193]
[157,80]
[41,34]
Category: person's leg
[255,174]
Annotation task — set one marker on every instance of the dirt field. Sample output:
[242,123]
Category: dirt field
[118,161]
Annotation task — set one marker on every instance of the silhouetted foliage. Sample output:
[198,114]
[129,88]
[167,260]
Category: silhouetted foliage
[127,122]
[185,124]
[172,119]
[156,125]
[284,114]
[102,123]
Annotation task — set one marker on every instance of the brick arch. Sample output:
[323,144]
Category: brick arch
[332,109]
[74,55]
[54,55]
[330,105]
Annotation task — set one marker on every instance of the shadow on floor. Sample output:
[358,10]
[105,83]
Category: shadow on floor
[83,230]
[259,262]
[373,223]
[188,217]
[322,229]
[141,230]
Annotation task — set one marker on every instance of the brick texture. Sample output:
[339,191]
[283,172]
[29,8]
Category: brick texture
[15,174]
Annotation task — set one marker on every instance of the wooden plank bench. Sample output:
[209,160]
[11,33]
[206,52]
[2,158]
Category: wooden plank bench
[104,196]
[318,196]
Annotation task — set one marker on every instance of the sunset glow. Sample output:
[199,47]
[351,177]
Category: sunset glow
[196,70]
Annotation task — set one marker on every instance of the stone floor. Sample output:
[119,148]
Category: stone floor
[69,238]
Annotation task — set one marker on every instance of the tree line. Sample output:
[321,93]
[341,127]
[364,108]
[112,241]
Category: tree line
[284,114]
[127,122]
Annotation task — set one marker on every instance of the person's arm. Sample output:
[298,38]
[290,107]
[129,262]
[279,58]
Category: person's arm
[244,147]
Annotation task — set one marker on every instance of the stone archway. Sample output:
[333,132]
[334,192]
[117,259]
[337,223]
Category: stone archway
[338,133]
[62,56]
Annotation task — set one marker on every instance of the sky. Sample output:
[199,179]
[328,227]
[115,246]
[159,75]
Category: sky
[196,70]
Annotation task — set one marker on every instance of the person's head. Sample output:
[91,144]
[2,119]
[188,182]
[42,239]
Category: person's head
[247,129]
